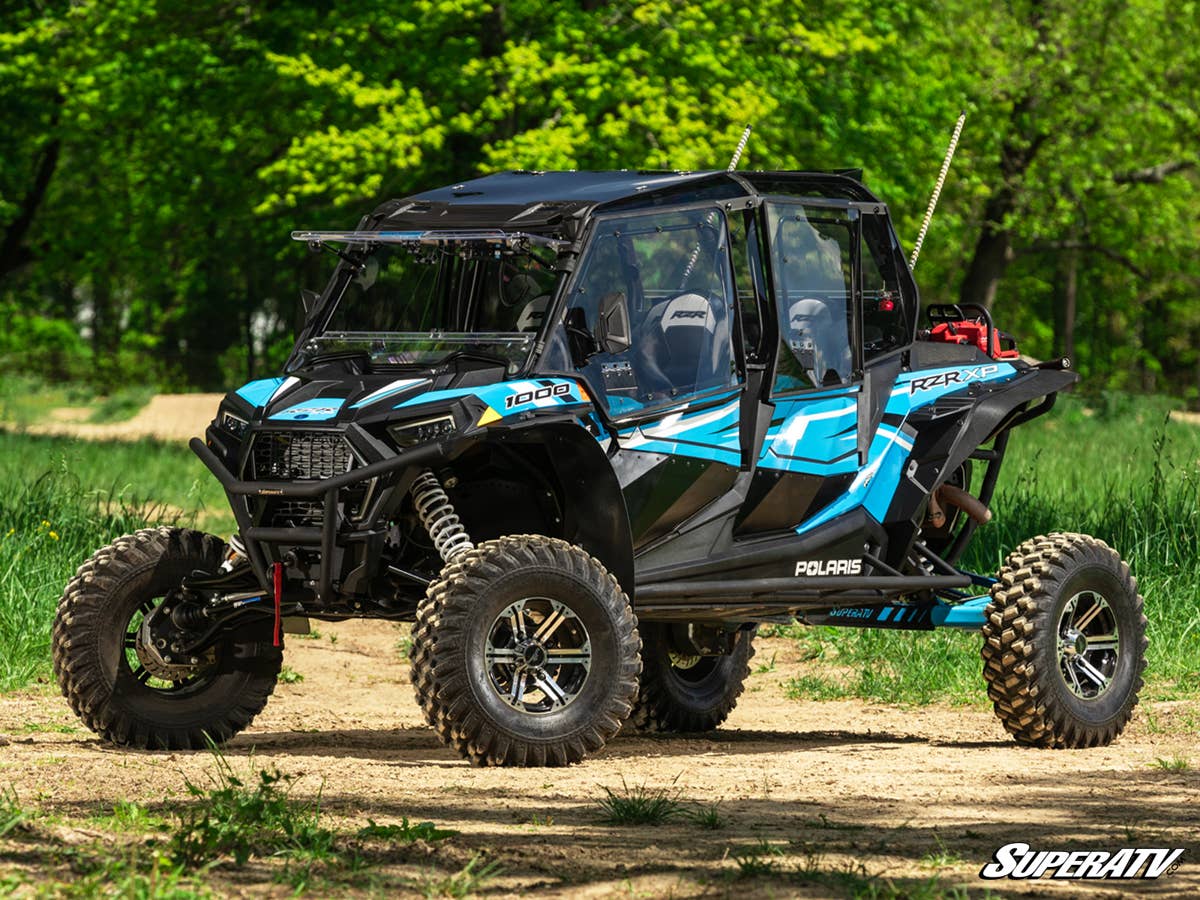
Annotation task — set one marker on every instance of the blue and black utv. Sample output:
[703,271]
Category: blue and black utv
[588,430]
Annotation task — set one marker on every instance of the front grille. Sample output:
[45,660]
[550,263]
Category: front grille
[303,456]
[299,456]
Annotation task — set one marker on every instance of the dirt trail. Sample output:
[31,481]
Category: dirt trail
[167,417]
[905,794]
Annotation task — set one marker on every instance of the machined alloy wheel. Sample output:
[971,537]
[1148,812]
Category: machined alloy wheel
[1064,642]
[1089,641]
[539,655]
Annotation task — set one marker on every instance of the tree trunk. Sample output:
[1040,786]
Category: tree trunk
[993,252]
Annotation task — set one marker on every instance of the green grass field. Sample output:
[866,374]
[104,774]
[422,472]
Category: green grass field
[1118,469]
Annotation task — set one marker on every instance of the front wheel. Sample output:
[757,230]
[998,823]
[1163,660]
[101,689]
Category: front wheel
[118,685]
[1064,642]
[525,652]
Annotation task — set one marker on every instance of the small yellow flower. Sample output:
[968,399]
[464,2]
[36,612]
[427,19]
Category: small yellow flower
[45,524]
[54,534]
[11,532]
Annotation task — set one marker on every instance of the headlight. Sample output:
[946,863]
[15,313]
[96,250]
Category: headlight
[409,434]
[235,425]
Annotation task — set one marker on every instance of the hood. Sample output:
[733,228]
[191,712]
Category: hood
[343,399]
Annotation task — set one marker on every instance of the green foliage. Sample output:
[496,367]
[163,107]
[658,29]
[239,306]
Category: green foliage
[167,247]
[468,880]
[122,404]
[11,812]
[288,675]
[136,873]
[62,505]
[640,805]
[404,832]
[709,816]
[243,821]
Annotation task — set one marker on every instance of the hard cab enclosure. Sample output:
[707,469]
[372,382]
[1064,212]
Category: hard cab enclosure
[714,383]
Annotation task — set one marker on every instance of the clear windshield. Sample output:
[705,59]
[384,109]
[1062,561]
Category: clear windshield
[417,305]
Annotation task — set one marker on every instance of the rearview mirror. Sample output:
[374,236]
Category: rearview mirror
[613,333]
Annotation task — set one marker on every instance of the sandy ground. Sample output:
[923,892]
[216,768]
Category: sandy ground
[167,417]
[891,794]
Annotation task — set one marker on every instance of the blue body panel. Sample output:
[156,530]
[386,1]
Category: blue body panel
[257,393]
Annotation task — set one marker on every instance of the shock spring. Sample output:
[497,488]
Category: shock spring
[437,514]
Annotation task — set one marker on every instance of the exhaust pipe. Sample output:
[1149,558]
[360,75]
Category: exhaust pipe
[954,496]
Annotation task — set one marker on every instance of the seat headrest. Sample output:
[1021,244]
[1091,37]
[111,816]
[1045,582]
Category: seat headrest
[689,311]
[809,310]
[533,313]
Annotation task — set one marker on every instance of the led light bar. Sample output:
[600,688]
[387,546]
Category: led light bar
[437,238]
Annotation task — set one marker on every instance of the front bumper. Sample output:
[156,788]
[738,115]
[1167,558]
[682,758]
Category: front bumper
[335,530]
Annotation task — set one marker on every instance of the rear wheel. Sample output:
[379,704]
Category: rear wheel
[1064,642]
[139,696]
[682,691]
[525,652]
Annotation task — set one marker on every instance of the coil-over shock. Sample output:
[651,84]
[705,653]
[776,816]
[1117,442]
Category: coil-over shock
[437,514]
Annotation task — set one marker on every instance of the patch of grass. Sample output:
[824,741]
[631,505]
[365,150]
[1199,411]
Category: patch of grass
[47,728]
[131,874]
[762,859]
[765,667]
[942,857]
[404,832]
[242,821]
[470,879]
[709,817]
[814,687]
[129,815]
[1176,763]
[640,805]
[288,675]
[12,814]
[122,404]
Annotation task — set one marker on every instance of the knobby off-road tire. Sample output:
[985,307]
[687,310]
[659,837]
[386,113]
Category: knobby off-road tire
[1064,617]
[478,660]
[688,694]
[97,664]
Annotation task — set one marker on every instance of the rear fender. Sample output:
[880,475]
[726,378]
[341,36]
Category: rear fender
[1000,406]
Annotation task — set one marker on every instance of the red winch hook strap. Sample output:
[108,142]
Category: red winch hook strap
[277,576]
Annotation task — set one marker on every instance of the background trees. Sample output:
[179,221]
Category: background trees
[154,155]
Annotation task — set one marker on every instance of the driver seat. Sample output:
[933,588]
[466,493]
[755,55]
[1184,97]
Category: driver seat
[681,350]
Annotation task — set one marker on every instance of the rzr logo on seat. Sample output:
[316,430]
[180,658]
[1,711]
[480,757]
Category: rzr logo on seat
[557,390]
[962,376]
[829,567]
[689,314]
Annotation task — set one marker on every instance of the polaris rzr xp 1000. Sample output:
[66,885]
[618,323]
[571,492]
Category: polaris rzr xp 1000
[587,431]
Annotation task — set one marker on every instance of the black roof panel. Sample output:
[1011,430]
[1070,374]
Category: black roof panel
[520,188]
[553,201]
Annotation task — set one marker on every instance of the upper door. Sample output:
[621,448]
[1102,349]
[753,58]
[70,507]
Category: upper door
[811,450]
[674,392]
